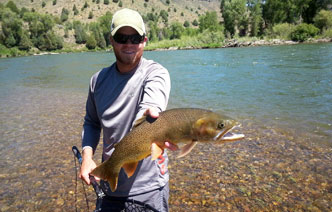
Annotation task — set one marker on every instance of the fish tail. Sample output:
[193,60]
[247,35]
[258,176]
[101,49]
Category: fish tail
[108,174]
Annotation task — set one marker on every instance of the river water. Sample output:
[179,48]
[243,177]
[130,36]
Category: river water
[282,95]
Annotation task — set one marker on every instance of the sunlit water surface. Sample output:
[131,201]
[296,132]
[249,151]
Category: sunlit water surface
[274,91]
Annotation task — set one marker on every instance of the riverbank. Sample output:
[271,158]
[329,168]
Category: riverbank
[170,45]
[245,43]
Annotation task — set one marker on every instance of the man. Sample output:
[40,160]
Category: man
[118,95]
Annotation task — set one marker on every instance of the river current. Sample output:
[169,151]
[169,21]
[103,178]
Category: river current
[282,95]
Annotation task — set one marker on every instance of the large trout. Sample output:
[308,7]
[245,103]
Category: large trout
[148,137]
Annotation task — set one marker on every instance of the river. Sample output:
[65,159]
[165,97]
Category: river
[282,95]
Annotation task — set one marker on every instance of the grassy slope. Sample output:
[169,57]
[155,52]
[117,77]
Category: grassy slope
[190,8]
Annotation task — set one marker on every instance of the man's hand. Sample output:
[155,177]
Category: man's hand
[87,165]
[153,113]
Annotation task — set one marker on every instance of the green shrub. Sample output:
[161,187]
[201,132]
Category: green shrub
[90,15]
[327,33]
[304,31]
[282,31]
[91,43]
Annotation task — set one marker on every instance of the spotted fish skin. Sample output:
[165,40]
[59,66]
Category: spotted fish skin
[148,137]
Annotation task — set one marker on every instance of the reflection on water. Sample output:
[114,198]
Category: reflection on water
[284,108]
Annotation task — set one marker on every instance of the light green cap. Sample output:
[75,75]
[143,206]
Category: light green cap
[127,17]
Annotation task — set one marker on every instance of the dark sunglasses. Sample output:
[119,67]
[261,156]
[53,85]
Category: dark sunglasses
[123,39]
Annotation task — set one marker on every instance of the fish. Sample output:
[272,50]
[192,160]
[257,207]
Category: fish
[148,137]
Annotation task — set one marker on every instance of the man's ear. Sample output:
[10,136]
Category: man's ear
[145,40]
[111,40]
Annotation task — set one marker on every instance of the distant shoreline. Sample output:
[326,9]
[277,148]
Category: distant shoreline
[231,43]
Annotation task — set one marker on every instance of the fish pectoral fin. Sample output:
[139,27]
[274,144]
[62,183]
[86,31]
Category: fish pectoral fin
[187,149]
[130,168]
[139,121]
[156,151]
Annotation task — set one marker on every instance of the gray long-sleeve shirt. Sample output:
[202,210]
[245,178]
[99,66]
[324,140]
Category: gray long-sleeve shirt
[115,101]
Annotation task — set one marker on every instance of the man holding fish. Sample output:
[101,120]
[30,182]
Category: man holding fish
[124,101]
[118,95]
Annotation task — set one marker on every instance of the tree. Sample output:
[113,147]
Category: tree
[54,2]
[195,23]
[154,31]
[313,8]
[209,21]
[290,11]
[75,10]
[256,19]
[323,20]
[91,42]
[186,24]
[104,23]
[23,10]
[80,34]
[235,17]
[176,30]
[12,6]
[97,34]
[106,2]
[90,15]
[64,15]
[164,15]
[11,28]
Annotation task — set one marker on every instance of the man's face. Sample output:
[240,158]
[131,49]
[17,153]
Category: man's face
[128,54]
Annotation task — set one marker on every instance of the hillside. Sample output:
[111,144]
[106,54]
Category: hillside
[76,25]
[178,10]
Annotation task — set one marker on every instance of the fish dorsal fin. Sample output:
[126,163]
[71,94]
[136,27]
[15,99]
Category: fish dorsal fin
[156,151]
[130,168]
[139,121]
[187,149]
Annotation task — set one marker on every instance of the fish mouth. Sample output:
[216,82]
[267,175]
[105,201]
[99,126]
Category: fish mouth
[227,135]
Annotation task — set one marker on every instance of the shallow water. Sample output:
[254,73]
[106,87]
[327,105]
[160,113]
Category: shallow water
[281,95]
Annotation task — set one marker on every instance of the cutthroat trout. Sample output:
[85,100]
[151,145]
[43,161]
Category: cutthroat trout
[148,137]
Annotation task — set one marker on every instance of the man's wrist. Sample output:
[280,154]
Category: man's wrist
[87,152]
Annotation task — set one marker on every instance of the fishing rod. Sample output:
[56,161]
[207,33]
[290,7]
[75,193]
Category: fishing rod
[98,190]
[131,204]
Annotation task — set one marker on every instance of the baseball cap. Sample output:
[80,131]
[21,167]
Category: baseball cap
[127,17]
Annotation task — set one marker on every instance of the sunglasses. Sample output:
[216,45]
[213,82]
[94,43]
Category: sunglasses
[123,39]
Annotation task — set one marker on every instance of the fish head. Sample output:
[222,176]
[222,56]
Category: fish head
[216,127]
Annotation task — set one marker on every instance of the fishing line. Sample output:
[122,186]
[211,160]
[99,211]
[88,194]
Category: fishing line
[76,185]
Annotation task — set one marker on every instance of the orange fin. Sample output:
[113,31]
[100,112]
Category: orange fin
[103,172]
[130,168]
[156,151]
[187,149]
[113,181]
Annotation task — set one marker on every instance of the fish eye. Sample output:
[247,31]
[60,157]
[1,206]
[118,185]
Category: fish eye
[221,125]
